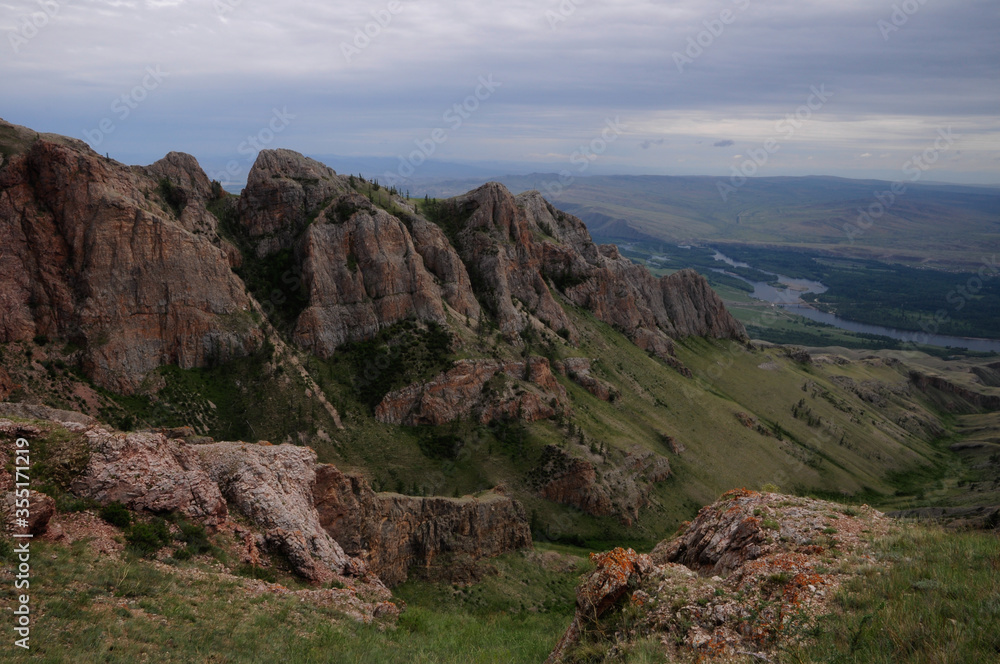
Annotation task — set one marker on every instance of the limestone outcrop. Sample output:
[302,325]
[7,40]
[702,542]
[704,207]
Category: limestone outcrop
[621,489]
[148,472]
[273,485]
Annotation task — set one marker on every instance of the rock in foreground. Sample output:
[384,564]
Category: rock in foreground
[748,573]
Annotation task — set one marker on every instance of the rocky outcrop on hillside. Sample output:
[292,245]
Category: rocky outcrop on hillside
[296,507]
[964,399]
[497,243]
[522,249]
[751,571]
[398,535]
[94,253]
[485,389]
[577,369]
[361,268]
[283,189]
[273,485]
[149,472]
[362,273]
[621,489]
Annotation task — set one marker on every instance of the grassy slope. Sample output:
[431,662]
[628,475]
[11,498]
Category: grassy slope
[849,447]
[934,597]
[94,608]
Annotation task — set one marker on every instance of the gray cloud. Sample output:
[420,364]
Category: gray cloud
[723,144]
[562,79]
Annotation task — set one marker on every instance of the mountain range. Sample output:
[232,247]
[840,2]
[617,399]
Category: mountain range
[443,379]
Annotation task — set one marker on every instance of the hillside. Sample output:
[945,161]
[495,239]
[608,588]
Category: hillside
[324,385]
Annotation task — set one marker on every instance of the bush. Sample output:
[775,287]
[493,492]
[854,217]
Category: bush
[196,538]
[116,514]
[145,539]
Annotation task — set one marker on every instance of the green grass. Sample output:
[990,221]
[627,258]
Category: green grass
[95,609]
[935,597]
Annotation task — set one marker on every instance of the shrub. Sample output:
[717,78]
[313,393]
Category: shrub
[145,539]
[196,538]
[116,514]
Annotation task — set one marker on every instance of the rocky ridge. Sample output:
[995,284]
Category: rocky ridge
[95,253]
[297,508]
[397,535]
[752,571]
[129,265]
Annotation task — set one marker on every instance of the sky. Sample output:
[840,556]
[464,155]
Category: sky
[854,88]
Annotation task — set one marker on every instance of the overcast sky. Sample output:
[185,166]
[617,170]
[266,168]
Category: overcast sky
[671,87]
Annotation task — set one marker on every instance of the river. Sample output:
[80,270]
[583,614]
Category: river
[790,299]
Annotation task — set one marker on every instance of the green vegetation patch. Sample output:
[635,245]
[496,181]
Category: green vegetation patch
[935,597]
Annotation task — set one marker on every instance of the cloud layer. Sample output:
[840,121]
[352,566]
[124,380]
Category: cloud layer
[683,78]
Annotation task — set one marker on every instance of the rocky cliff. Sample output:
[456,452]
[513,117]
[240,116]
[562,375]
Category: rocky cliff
[485,389]
[522,250]
[326,524]
[111,258]
[397,535]
[129,264]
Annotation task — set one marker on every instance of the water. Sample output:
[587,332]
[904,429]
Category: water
[790,299]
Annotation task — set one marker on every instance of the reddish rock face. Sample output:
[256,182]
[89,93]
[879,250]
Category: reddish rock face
[522,249]
[481,388]
[149,472]
[397,534]
[362,268]
[128,262]
[273,486]
[578,370]
[622,490]
[92,253]
[283,189]
[362,273]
